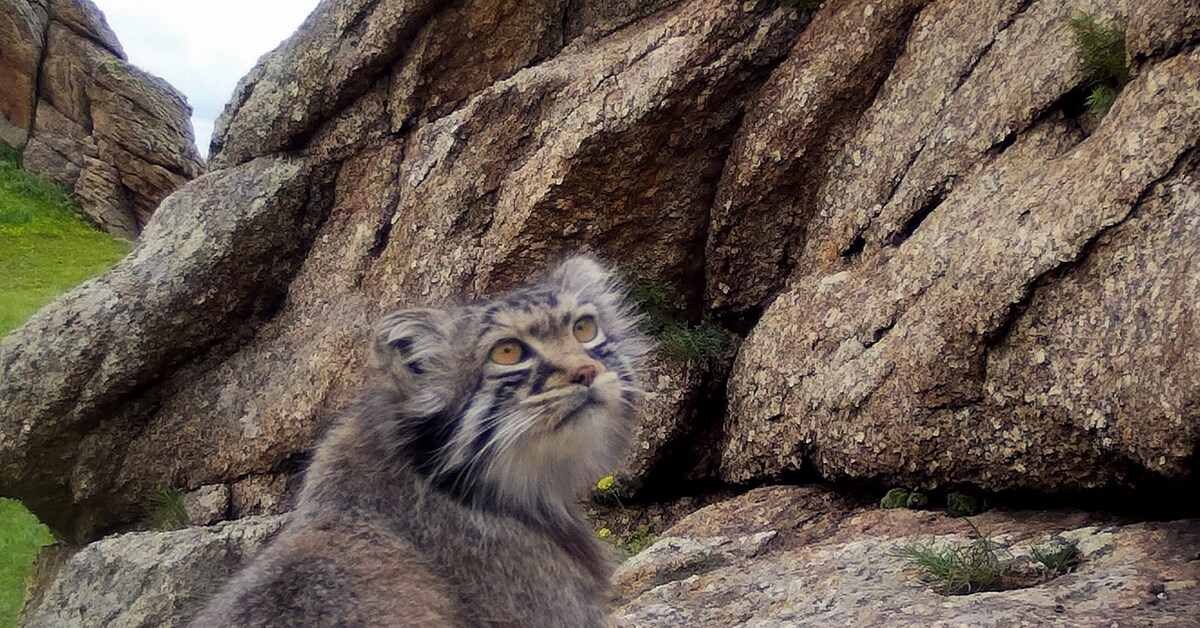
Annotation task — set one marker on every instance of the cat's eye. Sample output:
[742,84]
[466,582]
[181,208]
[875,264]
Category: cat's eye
[585,329]
[508,352]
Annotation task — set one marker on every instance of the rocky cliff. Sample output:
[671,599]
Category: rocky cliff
[117,137]
[939,265]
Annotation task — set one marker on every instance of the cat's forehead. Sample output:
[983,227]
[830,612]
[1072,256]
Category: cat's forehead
[537,311]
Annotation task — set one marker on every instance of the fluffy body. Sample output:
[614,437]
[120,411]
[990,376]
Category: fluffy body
[445,496]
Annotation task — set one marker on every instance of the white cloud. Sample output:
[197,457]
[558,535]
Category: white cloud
[202,48]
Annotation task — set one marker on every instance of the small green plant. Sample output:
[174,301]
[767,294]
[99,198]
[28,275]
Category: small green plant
[957,569]
[662,312]
[628,543]
[960,504]
[903,498]
[1059,558]
[165,510]
[1100,49]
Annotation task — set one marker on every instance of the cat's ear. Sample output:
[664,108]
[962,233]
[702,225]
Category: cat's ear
[413,349]
[583,275]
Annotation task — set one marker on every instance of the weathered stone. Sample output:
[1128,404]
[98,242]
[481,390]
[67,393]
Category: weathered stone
[207,504]
[22,38]
[667,414]
[216,261]
[783,556]
[117,137]
[84,17]
[986,296]
[145,579]
[461,205]
[260,495]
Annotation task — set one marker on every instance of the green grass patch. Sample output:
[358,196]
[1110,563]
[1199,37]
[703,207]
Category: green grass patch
[662,319]
[21,535]
[46,247]
[165,510]
[1100,49]
[957,569]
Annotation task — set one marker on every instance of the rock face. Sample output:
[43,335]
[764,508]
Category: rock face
[118,138]
[775,556]
[785,556]
[984,292]
[145,579]
[945,269]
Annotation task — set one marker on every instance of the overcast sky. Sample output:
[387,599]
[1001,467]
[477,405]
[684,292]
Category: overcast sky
[202,47]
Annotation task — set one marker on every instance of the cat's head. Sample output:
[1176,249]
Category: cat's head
[524,399]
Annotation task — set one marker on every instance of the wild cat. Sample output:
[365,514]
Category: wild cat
[446,495]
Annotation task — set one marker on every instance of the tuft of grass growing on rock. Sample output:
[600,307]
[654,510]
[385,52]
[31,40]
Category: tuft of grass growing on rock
[165,510]
[903,498]
[1058,558]
[1100,50]
[21,536]
[662,313]
[957,569]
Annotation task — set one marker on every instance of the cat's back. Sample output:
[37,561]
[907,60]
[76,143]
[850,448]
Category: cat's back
[337,573]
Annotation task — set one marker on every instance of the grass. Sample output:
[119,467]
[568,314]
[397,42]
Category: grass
[957,569]
[21,535]
[662,318]
[165,510]
[1100,50]
[46,247]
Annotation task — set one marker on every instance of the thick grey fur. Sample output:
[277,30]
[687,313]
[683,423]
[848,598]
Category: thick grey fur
[446,497]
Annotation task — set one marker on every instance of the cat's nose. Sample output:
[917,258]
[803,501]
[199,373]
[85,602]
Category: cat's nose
[584,375]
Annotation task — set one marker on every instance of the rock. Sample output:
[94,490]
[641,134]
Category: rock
[260,495]
[237,380]
[145,579]
[22,39]
[946,270]
[986,294]
[118,138]
[109,344]
[207,504]
[799,561]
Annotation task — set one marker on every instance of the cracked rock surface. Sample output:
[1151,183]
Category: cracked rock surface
[784,556]
[116,137]
[941,267]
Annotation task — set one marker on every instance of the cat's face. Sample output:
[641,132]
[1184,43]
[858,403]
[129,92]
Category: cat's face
[527,394]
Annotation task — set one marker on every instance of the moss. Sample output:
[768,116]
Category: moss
[960,504]
[1100,51]
[1058,558]
[903,498]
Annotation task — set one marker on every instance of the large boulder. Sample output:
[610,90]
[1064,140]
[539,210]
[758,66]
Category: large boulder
[947,271]
[236,329]
[989,288]
[774,556]
[143,579]
[118,138]
[796,556]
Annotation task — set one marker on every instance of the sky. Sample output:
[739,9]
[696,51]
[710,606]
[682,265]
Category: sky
[202,47]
